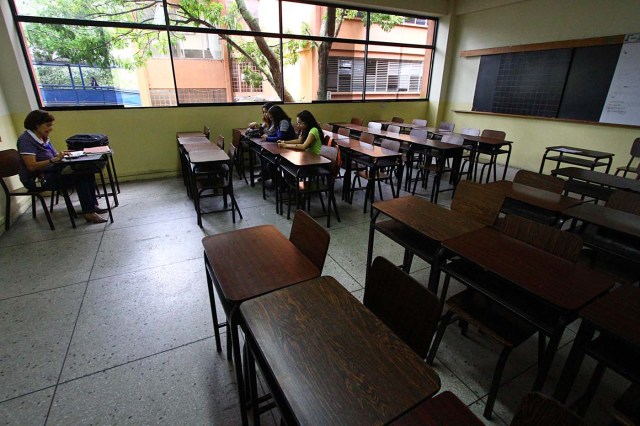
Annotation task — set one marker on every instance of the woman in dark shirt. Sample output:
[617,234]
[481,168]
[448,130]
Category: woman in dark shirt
[282,122]
[38,170]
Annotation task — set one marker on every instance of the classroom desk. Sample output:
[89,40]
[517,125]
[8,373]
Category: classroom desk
[329,360]
[545,290]
[410,126]
[616,317]
[577,156]
[488,146]
[534,203]
[376,156]
[594,184]
[420,227]
[244,264]
[444,409]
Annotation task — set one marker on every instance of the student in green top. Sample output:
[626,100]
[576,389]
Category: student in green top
[310,135]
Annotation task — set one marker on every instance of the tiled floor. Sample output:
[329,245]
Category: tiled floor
[110,324]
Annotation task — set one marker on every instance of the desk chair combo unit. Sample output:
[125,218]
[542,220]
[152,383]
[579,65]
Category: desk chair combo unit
[635,154]
[484,150]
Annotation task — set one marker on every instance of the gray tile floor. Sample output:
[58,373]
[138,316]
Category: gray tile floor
[110,324]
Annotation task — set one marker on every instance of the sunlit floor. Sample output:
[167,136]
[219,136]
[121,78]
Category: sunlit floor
[110,324]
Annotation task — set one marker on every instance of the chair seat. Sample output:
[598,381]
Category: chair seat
[491,319]
[380,175]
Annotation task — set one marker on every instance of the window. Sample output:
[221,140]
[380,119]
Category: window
[151,53]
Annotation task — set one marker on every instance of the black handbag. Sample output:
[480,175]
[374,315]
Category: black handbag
[89,140]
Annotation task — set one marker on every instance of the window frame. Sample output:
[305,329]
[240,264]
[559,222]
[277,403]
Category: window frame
[281,36]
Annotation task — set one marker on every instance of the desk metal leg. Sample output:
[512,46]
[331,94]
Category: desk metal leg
[574,361]
[106,197]
[545,364]
[372,229]
[212,301]
[237,361]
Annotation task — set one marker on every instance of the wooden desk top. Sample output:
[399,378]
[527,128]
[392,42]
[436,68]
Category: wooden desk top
[208,156]
[253,261]
[485,140]
[435,144]
[616,220]
[373,151]
[303,158]
[444,409]
[334,361]
[535,196]
[189,134]
[599,178]
[579,151]
[271,147]
[182,140]
[617,312]
[204,146]
[557,281]
[402,125]
[431,220]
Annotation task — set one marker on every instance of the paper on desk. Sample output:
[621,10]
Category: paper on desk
[75,154]
[569,150]
[97,150]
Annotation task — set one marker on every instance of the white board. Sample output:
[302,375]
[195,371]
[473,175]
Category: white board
[623,100]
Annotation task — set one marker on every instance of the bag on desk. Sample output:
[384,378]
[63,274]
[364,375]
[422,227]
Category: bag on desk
[253,133]
[82,141]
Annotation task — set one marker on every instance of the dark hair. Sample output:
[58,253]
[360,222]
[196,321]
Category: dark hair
[36,118]
[267,106]
[307,118]
[278,114]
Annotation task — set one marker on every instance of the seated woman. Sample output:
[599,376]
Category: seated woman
[266,127]
[310,134]
[282,123]
[38,170]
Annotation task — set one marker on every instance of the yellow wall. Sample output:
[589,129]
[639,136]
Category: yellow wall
[508,22]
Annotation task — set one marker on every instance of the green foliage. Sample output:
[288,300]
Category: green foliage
[252,78]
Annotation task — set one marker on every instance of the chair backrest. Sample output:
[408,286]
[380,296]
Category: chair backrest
[235,140]
[310,238]
[493,134]
[344,131]
[470,131]
[393,129]
[327,140]
[538,180]
[404,305]
[207,131]
[419,133]
[374,125]
[232,155]
[453,139]
[357,121]
[635,148]
[537,409]
[626,201]
[389,144]
[552,240]
[367,138]
[220,141]
[419,122]
[331,153]
[397,120]
[479,202]
[446,126]
[9,163]
[328,127]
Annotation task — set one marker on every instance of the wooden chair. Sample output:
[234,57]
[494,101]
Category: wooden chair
[327,127]
[10,166]
[471,307]
[470,131]
[407,307]
[413,157]
[538,180]
[214,182]
[357,121]
[635,153]
[490,151]
[239,158]
[220,142]
[397,120]
[344,131]
[479,202]
[310,238]
[537,409]
[206,132]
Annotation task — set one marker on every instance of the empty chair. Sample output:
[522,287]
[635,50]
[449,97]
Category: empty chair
[367,138]
[635,153]
[419,122]
[537,409]
[310,238]
[344,131]
[327,127]
[538,180]
[471,307]
[357,121]
[453,139]
[414,156]
[393,129]
[470,131]
[397,120]
[206,132]
[492,151]
[445,126]
[374,126]
[220,141]
[407,307]
[9,166]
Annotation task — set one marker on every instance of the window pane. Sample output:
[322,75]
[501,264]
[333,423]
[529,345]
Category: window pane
[212,68]
[221,14]
[401,29]
[139,11]
[308,19]
[396,73]
[81,66]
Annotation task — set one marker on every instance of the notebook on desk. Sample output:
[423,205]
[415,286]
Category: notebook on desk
[97,150]
[75,154]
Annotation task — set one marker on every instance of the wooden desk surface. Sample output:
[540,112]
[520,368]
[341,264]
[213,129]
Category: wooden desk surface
[192,139]
[616,220]
[189,134]
[201,146]
[564,284]
[484,140]
[271,147]
[303,158]
[570,150]
[617,312]
[333,360]
[253,261]
[599,178]
[536,196]
[431,220]
[208,156]
[444,409]
[436,144]
[402,125]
